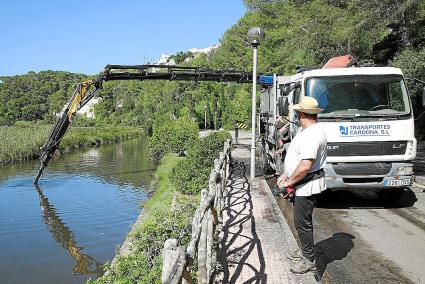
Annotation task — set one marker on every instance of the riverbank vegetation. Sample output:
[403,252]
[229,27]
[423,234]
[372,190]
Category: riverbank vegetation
[173,136]
[169,212]
[23,141]
[93,136]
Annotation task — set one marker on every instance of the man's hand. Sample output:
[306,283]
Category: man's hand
[301,171]
[283,184]
[281,181]
[279,152]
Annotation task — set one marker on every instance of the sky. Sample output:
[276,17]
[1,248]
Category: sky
[84,36]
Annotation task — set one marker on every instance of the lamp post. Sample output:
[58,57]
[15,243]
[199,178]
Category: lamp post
[255,36]
[205,120]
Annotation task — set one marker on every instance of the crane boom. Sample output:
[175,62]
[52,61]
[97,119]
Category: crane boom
[85,91]
[82,94]
[169,72]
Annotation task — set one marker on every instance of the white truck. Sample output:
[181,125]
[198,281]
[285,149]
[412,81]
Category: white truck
[367,117]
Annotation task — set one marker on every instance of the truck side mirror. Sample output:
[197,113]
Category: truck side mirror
[423,97]
[283,106]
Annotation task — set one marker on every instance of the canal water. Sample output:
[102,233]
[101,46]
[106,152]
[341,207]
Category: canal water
[65,229]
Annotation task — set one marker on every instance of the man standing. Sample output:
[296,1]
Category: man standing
[304,163]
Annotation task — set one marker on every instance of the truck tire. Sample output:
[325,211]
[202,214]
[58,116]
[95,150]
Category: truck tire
[390,195]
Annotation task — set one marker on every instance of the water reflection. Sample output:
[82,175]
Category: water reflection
[117,163]
[66,239]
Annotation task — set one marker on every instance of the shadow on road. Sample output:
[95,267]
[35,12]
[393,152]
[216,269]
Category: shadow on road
[358,199]
[334,248]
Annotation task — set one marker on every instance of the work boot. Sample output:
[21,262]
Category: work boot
[303,266]
[295,255]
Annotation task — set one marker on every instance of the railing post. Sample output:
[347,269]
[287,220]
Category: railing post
[202,245]
[174,262]
[210,240]
[216,165]
[217,203]
[207,219]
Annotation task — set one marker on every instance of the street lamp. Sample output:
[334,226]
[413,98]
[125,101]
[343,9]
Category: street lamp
[255,36]
[205,120]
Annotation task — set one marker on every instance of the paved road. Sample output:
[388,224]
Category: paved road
[364,238]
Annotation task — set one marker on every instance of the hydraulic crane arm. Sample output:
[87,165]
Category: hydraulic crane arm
[85,91]
[167,72]
[82,94]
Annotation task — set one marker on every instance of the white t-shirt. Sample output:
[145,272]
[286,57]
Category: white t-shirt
[310,143]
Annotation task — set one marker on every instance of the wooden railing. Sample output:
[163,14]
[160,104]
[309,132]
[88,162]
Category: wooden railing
[207,222]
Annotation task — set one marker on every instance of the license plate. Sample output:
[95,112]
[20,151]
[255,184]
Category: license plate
[397,182]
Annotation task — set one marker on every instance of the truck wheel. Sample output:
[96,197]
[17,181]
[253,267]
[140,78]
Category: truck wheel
[390,195]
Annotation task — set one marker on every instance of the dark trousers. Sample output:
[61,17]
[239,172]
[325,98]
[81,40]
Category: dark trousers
[303,221]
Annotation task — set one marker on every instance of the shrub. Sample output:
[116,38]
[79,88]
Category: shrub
[208,148]
[192,174]
[173,136]
[189,177]
[410,61]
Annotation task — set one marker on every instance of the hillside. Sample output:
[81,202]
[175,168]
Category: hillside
[389,32]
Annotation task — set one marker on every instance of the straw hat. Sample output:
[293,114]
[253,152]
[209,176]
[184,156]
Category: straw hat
[308,105]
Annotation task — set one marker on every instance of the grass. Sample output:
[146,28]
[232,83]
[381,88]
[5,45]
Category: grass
[22,143]
[163,193]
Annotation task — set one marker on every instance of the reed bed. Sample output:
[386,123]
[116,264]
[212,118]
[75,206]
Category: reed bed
[92,136]
[22,143]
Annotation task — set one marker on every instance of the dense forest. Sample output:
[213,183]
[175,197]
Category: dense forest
[298,32]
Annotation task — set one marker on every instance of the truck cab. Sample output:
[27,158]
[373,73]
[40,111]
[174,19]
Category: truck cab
[367,115]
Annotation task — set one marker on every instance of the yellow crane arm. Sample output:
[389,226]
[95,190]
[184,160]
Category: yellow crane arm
[82,94]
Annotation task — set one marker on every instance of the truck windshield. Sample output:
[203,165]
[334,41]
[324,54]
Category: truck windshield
[359,95]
